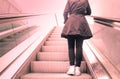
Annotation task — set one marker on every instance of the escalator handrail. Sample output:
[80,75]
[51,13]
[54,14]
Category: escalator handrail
[10,31]
[107,19]
[15,16]
[95,67]
[111,22]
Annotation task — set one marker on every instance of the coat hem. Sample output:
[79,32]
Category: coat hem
[84,37]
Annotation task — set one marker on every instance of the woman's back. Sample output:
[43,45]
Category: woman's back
[76,23]
[76,6]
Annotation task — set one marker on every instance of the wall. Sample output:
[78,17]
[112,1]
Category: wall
[106,8]
[7,8]
[41,6]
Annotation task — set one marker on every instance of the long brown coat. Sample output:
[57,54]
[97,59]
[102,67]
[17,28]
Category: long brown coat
[76,23]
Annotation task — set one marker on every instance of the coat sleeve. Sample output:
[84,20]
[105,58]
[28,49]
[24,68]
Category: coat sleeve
[88,10]
[66,11]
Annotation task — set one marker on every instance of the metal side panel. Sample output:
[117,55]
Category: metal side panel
[12,71]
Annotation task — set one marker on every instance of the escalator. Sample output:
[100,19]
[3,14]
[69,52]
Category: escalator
[52,60]
[47,58]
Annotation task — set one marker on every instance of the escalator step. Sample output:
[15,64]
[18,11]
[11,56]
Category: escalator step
[54,43]
[56,48]
[49,66]
[54,76]
[53,66]
[52,56]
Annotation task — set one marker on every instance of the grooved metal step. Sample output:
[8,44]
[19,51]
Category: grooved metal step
[53,66]
[52,56]
[55,36]
[56,39]
[54,43]
[55,76]
[49,66]
[56,48]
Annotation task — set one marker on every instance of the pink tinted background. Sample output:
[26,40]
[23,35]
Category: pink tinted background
[108,8]
[41,6]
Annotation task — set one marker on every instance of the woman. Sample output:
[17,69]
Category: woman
[76,29]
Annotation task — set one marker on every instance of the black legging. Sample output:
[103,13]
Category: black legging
[71,46]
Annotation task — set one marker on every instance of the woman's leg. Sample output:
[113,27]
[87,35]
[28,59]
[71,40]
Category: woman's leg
[71,70]
[79,43]
[71,42]
[79,55]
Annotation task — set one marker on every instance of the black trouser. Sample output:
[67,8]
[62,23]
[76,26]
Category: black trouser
[72,41]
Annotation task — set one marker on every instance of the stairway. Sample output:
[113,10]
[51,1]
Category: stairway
[52,60]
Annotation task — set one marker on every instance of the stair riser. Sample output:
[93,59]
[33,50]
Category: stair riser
[55,76]
[52,56]
[55,36]
[56,39]
[60,43]
[56,48]
[53,66]
[49,67]
[59,34]
[57,31]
